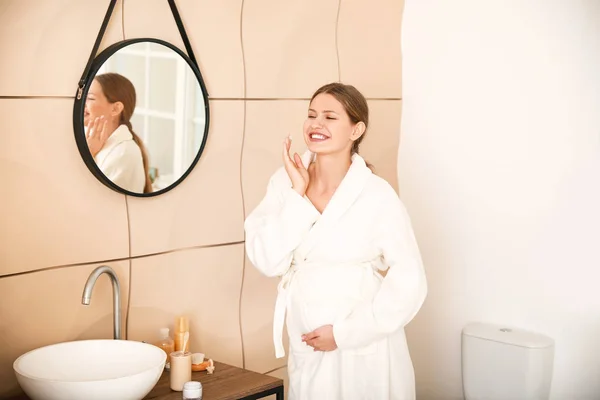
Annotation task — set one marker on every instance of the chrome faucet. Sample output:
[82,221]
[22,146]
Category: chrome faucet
[87,294]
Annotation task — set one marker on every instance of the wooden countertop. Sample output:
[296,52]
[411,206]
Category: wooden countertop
[226,383]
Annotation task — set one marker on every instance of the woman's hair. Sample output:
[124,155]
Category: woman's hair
[118,88]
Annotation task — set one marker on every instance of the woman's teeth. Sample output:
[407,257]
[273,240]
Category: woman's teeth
[317,136]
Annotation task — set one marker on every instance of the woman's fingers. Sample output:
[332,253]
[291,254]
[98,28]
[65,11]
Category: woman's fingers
[91,132]
[309,336]
[96,124]
[315,344]
[298,162]
[286,152]
[94,130]
[288,140]
[103,131]
[311,339]
[97,134]
[295,169]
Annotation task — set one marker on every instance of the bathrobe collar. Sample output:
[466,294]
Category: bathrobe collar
[345,195]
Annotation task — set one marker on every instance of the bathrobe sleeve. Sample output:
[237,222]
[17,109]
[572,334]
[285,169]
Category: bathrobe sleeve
[403,289]
[277,226]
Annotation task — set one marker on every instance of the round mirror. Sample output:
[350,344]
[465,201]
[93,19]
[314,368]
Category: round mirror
[141,120]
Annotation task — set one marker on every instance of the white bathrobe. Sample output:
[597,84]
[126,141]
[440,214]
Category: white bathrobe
[329,265]
[120,160]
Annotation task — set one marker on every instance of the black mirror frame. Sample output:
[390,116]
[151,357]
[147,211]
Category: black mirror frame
[78,110]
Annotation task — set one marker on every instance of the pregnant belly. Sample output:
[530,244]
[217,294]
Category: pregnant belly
[322,296]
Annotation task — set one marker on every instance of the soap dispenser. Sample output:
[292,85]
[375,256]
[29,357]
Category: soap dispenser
[167,344]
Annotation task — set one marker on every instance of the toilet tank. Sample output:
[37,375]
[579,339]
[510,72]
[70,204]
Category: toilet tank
[500,363]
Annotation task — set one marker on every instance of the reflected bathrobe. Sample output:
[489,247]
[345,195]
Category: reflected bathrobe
[120,160]
[329,266]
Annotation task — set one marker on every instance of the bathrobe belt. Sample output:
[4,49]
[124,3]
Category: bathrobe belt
[283,294]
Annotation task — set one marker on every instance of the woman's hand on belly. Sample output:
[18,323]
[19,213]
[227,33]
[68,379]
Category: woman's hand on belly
[321,339]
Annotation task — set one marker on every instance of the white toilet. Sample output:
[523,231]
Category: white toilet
[501,363]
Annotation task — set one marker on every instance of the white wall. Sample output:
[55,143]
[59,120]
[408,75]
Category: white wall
[499,165]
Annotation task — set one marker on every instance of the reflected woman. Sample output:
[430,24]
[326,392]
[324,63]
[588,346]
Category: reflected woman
[118,151]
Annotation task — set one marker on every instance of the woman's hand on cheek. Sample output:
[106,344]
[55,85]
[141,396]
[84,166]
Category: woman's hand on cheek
[296,171]
[321,339]
[96,135]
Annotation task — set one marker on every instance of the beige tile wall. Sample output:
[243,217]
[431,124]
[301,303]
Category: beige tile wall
[181,252]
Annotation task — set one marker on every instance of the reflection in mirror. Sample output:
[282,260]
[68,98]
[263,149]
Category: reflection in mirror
[144,117]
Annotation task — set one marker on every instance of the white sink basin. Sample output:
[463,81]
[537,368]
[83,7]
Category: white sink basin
[90,369]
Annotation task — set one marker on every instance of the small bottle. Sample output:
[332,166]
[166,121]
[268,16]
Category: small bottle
[192,390]
[167,344]
[182,325]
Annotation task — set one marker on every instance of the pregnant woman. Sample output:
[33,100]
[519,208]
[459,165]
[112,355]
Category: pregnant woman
[328,226]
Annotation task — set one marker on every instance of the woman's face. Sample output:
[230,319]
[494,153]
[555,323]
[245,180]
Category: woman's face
[328,129]
[96,105]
